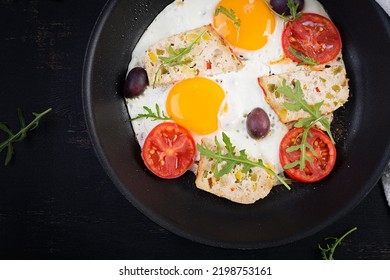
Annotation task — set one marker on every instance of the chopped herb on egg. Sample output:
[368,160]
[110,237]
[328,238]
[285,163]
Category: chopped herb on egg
[231,14]
[159,115]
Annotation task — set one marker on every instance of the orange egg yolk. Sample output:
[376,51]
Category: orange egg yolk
[250,25]
[195,104]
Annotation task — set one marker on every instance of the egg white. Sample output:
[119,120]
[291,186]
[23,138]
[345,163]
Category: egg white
[242,91]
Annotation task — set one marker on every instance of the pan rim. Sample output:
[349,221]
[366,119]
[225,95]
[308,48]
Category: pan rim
[91,126]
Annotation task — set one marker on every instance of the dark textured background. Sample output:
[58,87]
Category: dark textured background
[56,201]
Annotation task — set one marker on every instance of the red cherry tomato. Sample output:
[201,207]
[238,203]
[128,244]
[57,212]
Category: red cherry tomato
[169,150]
[313,36]
[323,161]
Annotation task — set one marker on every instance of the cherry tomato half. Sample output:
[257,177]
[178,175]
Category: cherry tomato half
[313,36]
[323,161]
[169,150]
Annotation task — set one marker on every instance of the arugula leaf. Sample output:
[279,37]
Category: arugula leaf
[328,252]
[159,115]
[229,160]
[305,60]
[176,57]
[232,16]
[302,146]
[299,103]
[19,136]
[294,9]
[294,14]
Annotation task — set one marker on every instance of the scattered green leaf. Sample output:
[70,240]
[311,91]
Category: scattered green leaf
[328,252]
[231,14]
[19,136]
[294,14]
[158,115]
[305,59]
[299,103]
[303,145]
[229,160]
[176,57]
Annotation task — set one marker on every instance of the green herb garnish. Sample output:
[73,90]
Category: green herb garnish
[232,16]
[230,159]
[159,115]
[19,136]
[294,14]
[175,58]
[299,103]
[305,59]
[328,251]
[302,146]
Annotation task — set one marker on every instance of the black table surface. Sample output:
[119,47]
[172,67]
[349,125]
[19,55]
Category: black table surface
[57,202]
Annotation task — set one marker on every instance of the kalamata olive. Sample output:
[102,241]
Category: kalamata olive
[280,6]
[136,82]
[257,123]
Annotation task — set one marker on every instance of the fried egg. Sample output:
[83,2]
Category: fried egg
[208,106]
[256,22]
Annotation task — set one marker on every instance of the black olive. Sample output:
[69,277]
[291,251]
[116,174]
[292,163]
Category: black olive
[136,82]
[257,123]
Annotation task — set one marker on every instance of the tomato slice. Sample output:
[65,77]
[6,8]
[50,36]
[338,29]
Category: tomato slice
[169,150]
[323,161]
[313,36]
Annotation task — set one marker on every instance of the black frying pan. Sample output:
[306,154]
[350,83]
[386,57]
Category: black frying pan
[363,131]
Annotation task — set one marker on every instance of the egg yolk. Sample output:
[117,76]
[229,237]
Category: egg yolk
[195,104]
[246,24]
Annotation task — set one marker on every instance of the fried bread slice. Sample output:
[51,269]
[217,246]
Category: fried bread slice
[207,54]
[329,85]
[237,186]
